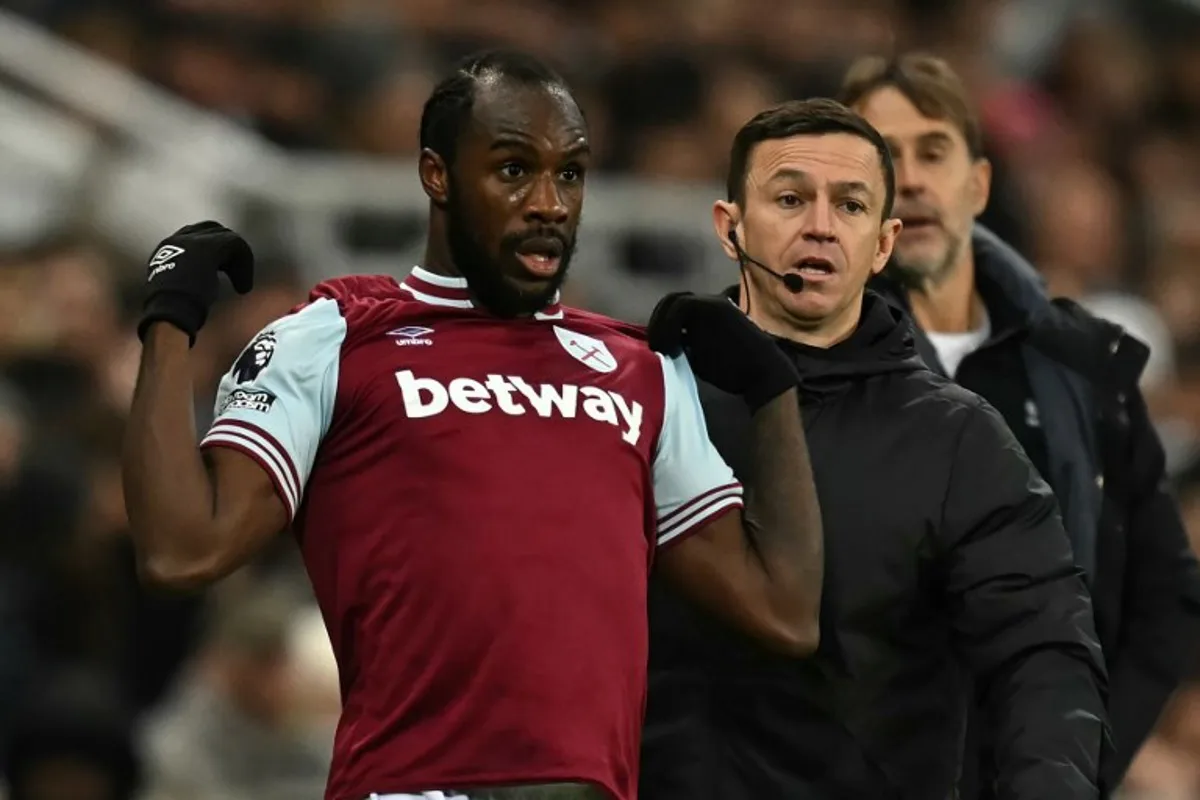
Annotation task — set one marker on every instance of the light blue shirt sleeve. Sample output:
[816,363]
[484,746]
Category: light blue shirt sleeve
[276,402]
[692,482]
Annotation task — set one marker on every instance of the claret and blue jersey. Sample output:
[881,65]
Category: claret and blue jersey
[478,501]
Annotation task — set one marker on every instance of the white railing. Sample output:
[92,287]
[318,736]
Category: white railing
[151,118]
[161,162]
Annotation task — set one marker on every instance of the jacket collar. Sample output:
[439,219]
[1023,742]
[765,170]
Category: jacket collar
[882,342]
[1096,348]
[453,292]
[1006,280]
[1060,329]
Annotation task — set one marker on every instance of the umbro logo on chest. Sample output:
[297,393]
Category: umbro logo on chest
[587,350]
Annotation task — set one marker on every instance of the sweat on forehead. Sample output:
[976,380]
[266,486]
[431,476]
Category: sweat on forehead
[495,81]
[477,87]
[502,99]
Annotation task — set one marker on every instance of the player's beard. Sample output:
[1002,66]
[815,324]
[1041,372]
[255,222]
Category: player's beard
[485,274]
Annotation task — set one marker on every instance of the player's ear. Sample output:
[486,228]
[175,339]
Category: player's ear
[435,176]
[725,221]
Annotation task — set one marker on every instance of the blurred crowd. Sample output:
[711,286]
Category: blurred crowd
[1093,124]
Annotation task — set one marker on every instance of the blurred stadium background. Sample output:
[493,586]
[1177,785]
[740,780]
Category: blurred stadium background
[295,122]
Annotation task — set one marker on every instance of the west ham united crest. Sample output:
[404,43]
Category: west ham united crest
[587,350]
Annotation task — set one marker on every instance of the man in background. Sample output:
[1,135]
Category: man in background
[1065,382]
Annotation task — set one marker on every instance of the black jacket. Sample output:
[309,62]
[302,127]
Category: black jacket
[1105,463]
[945,557]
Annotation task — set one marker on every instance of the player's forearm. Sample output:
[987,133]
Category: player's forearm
[168,492]
[781,503]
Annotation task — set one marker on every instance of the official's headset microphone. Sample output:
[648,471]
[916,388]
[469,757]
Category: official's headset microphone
[793,282]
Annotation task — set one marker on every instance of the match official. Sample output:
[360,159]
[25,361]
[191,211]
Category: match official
[946,562]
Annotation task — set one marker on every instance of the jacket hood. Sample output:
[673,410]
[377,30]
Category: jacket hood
[883,342]
[1005,275]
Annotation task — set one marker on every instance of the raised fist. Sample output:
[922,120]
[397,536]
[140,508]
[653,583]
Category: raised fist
[181,277]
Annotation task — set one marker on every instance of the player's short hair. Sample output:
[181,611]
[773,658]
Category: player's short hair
[815,117]
[449,106]
[929,83]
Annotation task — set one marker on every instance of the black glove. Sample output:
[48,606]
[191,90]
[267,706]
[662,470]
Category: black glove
[723,346]
[181,282]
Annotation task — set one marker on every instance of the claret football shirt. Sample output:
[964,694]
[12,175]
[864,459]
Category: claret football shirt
[478,501]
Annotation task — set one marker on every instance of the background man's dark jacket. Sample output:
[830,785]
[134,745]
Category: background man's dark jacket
[945,557]
[1096,446]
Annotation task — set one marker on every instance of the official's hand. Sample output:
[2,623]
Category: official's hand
[181,278]
[722,345]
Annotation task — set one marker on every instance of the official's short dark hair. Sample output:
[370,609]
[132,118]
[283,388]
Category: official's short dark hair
[449,106]
[929,83]
[815,117]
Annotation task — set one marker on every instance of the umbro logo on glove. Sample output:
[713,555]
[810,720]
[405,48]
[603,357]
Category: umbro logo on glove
[181,276]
